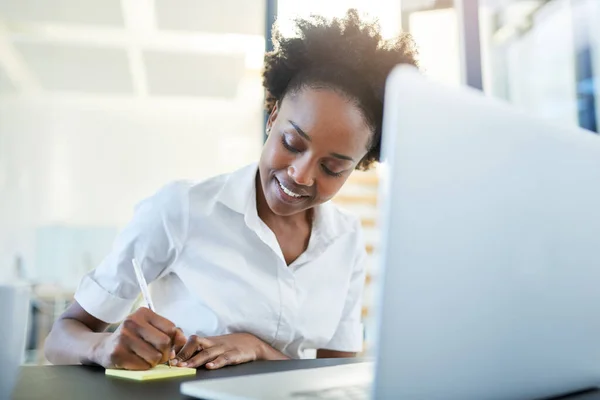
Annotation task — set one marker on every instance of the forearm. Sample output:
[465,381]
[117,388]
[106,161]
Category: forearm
[269,353]
[72,342]
[324,353]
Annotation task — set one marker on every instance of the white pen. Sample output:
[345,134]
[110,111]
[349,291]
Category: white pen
[143,285]
[144,288]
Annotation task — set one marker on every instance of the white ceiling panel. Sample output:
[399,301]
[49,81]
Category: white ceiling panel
[74,68]
[221,16]
[193,74]
[92,12]
[500,4]
[6,85]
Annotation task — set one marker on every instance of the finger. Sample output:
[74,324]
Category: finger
[191,347]
[140,323]
[160,323]
[228,358]
[179,340]
[130,361]
[143,349]
[206,355]
[157,339]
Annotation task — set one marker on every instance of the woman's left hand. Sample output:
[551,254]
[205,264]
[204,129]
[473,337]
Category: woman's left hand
[218,351]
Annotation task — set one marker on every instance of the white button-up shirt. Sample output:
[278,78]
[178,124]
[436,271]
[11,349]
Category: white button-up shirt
[214,268]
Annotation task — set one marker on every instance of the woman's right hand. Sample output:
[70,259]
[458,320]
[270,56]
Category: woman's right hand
[142,341]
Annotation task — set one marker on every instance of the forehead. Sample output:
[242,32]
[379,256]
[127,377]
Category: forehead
[327,117]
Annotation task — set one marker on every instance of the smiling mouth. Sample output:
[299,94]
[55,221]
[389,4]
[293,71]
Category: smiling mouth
[289,192]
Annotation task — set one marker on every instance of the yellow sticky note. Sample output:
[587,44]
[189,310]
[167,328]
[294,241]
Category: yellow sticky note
[158,372]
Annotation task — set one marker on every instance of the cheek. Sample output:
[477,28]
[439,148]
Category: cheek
[274,155]
[329,187]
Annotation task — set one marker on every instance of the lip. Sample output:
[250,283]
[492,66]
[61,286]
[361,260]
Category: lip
[287,198]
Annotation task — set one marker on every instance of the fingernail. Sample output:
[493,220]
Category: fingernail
[183,364]
[210,365]
[174,362]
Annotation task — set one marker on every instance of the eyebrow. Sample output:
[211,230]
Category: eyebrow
[305,136]
[342,157]
[300,131]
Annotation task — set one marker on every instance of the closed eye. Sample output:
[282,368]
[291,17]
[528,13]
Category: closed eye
[330,172]
[288,146]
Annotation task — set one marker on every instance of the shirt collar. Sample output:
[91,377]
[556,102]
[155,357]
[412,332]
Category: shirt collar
[239,194]
[239,189]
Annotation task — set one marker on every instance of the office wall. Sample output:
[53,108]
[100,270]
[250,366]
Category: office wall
[592,10]
[541,76]
[102,104]
[84,164]
[537,56]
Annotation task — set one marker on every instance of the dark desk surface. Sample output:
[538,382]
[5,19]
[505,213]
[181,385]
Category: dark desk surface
[90,383]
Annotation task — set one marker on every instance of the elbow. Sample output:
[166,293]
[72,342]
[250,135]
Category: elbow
[50,345]
[56,345]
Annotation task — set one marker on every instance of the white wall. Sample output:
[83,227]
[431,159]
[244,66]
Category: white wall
[76,162]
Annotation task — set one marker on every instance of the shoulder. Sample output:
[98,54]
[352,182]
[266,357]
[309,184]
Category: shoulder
[186,193]
[343,230]
[346,218]
[342,222]
[203,194]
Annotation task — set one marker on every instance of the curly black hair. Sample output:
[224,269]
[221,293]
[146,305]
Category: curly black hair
[343,54]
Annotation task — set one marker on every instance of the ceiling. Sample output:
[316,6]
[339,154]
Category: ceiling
[420,5]
[137,48]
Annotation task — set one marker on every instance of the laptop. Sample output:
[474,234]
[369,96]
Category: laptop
[490,257]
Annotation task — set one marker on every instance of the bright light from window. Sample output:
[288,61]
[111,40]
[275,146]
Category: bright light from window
[436,35]
[387,12]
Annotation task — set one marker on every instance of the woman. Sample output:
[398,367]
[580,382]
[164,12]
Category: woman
[255,264]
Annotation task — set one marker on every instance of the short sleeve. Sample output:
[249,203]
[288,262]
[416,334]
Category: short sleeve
[350,332]
[154,237]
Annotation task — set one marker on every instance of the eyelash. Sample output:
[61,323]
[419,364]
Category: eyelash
[331,173]
[287,146]
[296,151]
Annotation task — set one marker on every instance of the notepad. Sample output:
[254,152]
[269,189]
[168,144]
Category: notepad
[158,372]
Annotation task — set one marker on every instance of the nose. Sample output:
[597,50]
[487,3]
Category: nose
[301,173]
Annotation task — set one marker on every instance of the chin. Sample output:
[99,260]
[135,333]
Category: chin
[282,210]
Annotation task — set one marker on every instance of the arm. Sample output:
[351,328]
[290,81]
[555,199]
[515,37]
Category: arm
[107,294]
[142,341]
[75,337]
[218,351]
[324,353]
[269,353]
[347,340]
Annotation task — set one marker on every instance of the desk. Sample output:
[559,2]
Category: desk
[90,383]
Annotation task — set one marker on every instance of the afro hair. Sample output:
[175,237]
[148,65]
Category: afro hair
[345,54]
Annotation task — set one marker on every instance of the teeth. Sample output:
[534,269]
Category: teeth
[287,191]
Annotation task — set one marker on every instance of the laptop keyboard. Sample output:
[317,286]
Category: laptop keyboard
[352,392]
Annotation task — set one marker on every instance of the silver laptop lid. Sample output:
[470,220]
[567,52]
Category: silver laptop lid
[491,249]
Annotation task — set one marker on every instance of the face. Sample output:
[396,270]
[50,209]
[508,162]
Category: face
[316,139]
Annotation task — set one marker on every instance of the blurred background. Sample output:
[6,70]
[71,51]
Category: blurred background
[102,102]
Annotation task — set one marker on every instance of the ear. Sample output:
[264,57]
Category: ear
[272,116]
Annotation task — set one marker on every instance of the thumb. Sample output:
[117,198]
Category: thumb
[189,349]
[179,340]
